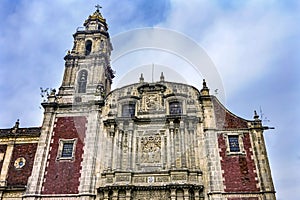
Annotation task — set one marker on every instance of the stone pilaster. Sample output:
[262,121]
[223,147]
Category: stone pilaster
[262,162]
[88,171]
[35,181]
[6,162]
[215,179]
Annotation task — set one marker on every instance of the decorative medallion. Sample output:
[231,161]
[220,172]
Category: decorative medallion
[150,179]
[19,163]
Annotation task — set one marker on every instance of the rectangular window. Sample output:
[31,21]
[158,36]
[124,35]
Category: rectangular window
[234,145]
[175,108]
[128,110]
[67,150]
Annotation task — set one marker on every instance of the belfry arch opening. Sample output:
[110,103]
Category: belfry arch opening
[88,47]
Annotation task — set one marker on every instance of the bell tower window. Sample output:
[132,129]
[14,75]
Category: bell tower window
[82,81]
[88,47]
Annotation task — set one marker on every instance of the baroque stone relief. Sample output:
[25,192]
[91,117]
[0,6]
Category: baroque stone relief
[151,149]
[151,194]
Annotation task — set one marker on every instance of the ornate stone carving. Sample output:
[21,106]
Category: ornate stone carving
[122,178]
[151,194]
[109,180]
[139,179]
[19,163]
[152,102]
[179,177]
[193,178]
[162,179]
[151,149]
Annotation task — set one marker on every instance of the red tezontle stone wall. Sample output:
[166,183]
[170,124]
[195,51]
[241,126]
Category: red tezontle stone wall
[62,176]
[19,177]
[239,170]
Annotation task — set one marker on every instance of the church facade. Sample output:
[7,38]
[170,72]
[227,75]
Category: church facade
[159,140]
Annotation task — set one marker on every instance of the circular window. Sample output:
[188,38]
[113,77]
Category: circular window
[20,162]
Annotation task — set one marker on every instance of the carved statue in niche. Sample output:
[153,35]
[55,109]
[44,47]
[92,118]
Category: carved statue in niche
[100,90]
[151,149]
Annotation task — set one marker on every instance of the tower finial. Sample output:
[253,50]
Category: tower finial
[141,78]
[204,84]
[98,7]
[16,126]
[204,91]
[162,77]
[256,117]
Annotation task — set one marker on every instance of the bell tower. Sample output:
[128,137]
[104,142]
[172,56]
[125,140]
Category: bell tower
[66,158]
[87,66]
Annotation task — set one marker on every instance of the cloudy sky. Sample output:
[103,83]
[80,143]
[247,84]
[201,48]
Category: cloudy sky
[253,45]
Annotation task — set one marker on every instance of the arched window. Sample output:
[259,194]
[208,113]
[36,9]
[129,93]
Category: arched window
[88,47]
[82,81]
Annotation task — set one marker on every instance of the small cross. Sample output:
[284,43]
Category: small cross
[98,7]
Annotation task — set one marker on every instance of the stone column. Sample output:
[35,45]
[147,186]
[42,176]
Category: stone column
[195,148]
[118,158]
[168,149]
[172,146]
[115,152]
[163,153]
[192,152]
[134,151]
[183,148]
[188,149]
[173,194]
[106,197]
[186,194]
[129,152]
[128,194]
[197,196]
[115,195]
[110,149]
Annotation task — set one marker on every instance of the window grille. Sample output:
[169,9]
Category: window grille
[67,150]
[175,108]
[234,145]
